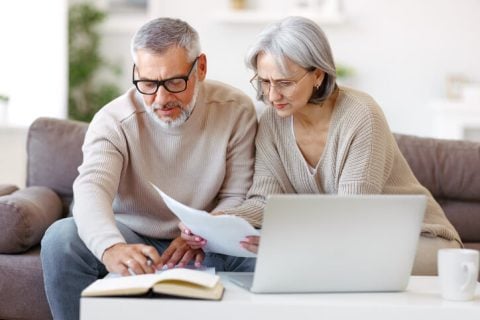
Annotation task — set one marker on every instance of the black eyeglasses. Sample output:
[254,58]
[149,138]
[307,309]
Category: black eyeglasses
[173,85]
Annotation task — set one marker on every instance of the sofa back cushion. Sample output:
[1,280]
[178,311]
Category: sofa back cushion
[54,152]
[450,169]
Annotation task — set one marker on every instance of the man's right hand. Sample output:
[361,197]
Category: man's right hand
[139,258]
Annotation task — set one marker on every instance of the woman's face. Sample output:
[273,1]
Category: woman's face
[287,91]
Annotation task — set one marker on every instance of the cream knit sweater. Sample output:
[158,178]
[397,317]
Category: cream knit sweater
[361,156]
[206,163]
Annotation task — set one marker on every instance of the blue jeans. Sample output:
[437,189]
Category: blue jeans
[69,266]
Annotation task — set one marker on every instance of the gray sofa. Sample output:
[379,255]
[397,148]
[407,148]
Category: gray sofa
[53,155]
[449,169]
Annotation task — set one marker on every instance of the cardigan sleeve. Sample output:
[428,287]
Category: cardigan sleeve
[370,155]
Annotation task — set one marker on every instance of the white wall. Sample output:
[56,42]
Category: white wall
[33,59]
[402,50]
[33,72]
[13,156]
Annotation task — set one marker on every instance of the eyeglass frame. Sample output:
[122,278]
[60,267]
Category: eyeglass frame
[261,93]
[161,83]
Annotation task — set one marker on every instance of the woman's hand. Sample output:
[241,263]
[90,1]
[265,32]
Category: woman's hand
[194,241]
[251,243]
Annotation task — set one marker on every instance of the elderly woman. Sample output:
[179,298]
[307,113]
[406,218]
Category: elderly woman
[317,137]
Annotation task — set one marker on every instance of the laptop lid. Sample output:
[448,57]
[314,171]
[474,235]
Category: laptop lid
[331,243]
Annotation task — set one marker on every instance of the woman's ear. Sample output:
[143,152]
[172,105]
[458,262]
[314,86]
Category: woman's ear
[319,76]
[202,67]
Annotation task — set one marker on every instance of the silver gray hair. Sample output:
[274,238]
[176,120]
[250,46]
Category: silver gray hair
[158,35]
[303,42]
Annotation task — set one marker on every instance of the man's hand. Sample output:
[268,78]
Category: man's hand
[179,253]
[251,243]
[125,258]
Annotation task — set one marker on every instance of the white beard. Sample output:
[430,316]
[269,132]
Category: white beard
[186,111]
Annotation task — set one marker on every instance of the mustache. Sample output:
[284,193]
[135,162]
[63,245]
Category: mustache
[168,105]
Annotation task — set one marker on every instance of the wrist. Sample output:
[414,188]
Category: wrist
[109,249]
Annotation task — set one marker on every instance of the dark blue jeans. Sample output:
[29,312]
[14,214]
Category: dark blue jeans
[69,266]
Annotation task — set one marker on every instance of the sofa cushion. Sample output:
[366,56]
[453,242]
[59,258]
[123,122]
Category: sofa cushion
[54,149]
[24,217]
[21,287]
[464,216]
[7,189]
[448,168]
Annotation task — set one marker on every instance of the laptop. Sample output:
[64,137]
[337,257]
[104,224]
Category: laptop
[332,243]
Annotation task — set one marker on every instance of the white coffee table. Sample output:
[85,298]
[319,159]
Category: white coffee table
[421,301]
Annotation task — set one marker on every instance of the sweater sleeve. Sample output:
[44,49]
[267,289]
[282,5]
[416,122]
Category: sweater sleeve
[96,186]
[368,159]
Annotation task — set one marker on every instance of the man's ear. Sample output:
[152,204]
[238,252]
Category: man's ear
[202,67]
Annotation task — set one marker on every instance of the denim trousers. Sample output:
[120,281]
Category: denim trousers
[69,266]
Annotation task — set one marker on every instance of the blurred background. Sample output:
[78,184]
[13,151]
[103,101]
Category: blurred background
[419,59]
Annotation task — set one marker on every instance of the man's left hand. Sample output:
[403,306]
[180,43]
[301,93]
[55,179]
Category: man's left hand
[179,253]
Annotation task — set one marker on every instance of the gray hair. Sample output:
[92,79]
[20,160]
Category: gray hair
[158,35]
[302,41]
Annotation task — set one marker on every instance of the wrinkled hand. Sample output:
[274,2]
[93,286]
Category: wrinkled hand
[179,253]
[139,258]
[251,243]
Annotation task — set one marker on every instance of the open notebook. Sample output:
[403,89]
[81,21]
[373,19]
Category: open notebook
[178,282]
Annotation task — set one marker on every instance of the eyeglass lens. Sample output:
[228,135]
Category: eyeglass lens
[173,85]
[285,87]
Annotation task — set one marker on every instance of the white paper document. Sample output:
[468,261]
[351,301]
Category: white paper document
[223,233]
[209,270]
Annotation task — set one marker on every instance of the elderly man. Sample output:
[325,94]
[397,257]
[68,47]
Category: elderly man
[192,138]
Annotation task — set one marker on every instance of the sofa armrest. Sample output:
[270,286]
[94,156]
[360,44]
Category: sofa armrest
[25,215]
[7,189]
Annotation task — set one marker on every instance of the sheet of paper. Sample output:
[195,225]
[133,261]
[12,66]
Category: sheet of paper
[223,233]
[209,270]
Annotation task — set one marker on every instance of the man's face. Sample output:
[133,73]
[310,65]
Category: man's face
[172,109]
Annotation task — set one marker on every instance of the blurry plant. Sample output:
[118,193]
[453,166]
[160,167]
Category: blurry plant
[344,72]
[4,98]
[87,94]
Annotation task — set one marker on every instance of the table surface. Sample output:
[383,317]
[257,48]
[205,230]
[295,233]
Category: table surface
[421,300]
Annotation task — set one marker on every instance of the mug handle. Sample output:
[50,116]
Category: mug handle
[469,267]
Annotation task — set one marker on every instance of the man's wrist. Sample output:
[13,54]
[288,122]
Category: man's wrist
[108,248]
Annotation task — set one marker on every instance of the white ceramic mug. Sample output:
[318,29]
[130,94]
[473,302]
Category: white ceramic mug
[458,272]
